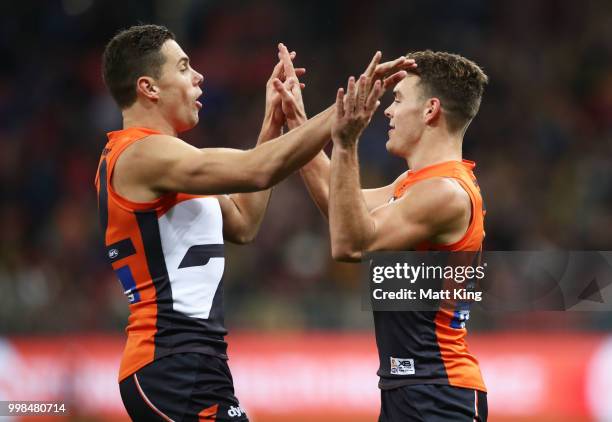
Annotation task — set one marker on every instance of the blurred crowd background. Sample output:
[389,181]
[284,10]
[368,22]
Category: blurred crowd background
[542,142]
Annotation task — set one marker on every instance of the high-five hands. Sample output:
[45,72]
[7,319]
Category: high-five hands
[285,74]
[291,90]
[390,73]
[363,98]
[355,109]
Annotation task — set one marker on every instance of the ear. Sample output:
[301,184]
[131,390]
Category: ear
[145,86]
[432,110]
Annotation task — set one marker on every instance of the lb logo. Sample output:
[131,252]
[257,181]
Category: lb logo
[113,253]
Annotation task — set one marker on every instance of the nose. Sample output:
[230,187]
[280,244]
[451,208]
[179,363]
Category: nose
[198,78]
[388,112]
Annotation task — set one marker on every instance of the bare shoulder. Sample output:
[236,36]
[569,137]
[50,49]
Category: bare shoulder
[145,163]
[439,199]
[153,155]
[155,148]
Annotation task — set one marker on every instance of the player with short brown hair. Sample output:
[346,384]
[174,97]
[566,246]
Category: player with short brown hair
[426,371]
[166,209]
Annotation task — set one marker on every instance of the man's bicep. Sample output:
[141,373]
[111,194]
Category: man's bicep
[398,227]
[377,197]
[208,171]
[374,198]
[420,215]
[172,165]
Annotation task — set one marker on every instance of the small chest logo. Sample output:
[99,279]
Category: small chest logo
[402,366]
[113,253]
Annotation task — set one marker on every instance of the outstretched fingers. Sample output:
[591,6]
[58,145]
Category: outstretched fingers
[286,58]
[375,95]
[340,103]
[383,70]
[277,72]
[394,79]
[350,96]
[282,90]
[362,92]
[373,63]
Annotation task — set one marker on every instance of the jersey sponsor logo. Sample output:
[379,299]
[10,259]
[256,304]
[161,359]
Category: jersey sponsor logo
[235,411]
[401,366]
[113,253]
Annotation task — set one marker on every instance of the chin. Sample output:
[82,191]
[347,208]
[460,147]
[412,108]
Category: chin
[190,124]
[391,148]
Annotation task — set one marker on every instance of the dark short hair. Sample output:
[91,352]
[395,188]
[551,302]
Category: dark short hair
[458,83]
[132,53]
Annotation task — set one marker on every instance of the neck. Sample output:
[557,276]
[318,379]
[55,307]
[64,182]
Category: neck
[433,149]
[148,117]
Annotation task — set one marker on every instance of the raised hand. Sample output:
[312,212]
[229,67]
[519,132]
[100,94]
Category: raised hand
[273,97]
[291,92]
[390,73]
[354,110]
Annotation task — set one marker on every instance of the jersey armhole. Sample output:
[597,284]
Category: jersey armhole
[124,202]
[470,227]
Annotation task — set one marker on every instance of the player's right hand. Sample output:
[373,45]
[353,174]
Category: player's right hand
[292,104]
[389,73]
[354,110]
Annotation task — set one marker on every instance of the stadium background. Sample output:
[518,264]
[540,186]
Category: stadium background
[301,348]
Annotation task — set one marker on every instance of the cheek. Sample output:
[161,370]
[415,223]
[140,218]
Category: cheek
[177,90]
[408,118]
[402,118]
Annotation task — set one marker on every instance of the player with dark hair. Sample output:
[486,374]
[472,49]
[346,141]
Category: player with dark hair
[426,371]
[165,213]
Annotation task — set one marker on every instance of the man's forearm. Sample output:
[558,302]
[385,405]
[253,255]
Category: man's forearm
[315,175]
[269,129]
[316,178]
[280,157]
[252,206]
[350,223]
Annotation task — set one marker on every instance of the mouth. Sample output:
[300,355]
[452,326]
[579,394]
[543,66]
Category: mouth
[198,103]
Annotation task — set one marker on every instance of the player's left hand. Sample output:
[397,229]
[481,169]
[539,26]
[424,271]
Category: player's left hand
[273,97]
[294,110]
[354,110]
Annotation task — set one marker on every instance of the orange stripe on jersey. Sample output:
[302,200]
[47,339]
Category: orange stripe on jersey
[462,367]
[170,265]
[140,348]
[143,314]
